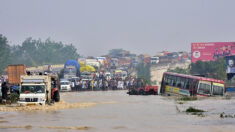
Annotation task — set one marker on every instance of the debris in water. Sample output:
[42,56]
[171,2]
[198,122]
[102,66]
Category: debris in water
[187,98]
[223,115]
[193,110]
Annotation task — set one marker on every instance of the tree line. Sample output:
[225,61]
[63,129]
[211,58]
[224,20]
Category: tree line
[35,52]
[212,69]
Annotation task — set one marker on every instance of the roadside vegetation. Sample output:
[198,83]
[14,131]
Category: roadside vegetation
[33,52]
[143,71]
[210,69]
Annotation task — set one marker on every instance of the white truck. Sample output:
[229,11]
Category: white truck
[38,89]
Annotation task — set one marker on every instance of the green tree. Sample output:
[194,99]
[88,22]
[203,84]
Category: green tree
[179,70]
[143,71]
[37,52]
[5,57]
[116,52]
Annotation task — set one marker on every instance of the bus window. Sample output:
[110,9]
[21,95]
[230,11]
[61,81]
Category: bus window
[218,89]
[178,82]
[173,80]
[168,80]
[188,83]
[182,82]
[204,88]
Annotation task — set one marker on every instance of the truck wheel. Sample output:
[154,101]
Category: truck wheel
[155,93]
[57,96]
[141,92]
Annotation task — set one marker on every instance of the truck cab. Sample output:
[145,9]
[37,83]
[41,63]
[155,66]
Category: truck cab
[38,89]
[142,89]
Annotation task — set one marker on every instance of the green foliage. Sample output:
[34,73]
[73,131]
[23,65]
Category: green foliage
[36,52]
[212,69]
[193,110]
[143,71]
[179,70]
[14,97]
[187,98]
[4,53]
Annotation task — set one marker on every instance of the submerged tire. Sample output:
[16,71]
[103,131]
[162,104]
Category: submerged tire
[141,92]
[57,96]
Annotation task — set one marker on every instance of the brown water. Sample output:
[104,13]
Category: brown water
[116,111]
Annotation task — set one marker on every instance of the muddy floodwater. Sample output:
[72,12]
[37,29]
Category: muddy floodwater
[116,111]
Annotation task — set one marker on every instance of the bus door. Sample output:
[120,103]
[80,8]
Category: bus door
[204,88]
[217,89]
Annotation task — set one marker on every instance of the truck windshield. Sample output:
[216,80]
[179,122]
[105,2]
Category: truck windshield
[64,83]
[70,70]
[33,89]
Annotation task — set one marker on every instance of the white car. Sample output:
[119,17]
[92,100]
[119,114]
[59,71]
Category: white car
[65,85]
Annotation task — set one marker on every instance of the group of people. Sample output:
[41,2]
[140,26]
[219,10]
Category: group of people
[101,81]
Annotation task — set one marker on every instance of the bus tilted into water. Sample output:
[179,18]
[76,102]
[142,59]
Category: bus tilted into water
[181,84]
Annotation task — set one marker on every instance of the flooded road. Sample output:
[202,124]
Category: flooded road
[117,111]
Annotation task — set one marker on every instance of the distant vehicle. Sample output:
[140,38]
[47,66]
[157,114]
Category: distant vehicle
[86,75]
[93,62]
[154,60]
[71,69]
[181,84]
[65,85]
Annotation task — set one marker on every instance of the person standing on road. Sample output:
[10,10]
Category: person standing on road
[4,92]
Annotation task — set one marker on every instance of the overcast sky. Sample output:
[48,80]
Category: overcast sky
[141,26]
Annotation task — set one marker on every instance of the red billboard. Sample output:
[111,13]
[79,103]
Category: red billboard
[211,51]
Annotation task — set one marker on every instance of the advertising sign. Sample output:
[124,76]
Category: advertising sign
[211,51]
[230,67]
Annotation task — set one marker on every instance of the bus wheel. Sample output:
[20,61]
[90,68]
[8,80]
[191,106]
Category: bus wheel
[155,93]
[57,96]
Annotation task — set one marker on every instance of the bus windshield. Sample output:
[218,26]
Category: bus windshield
[218,89]
[33,89]
[204,88]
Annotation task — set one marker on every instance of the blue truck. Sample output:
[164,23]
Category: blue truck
[71,69]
